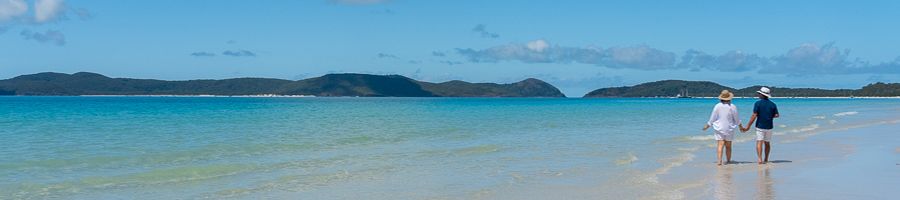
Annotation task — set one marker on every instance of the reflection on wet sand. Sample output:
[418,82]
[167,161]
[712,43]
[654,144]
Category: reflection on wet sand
[724,185]
[764,184]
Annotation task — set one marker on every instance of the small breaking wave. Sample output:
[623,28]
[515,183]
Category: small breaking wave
[475,150]
[670,163]
[808,128]
[700,137]
[845,114]
[627,160]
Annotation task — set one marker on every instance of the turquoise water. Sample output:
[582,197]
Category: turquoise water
[370,148]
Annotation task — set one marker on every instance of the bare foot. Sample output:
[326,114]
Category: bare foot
[719,164]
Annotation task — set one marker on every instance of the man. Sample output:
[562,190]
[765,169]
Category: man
[764,111]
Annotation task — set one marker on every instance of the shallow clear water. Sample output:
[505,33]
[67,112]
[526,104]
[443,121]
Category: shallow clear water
[373,148]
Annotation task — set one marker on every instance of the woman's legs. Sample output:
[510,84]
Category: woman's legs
[728,151]
[721,144]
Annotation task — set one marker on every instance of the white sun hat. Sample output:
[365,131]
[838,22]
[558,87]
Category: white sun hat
[726,95]
[765,91]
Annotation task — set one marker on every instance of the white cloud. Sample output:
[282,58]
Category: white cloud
[203,54]
[239,53]
[48,10]
[481,29]
[540,51]
[10,9]
[731,61]
[811,58]
[642,57]
[806,59]
[55,37]
[385,55]
[538,45]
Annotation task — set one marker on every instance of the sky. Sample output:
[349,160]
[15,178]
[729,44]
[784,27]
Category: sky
[577,46]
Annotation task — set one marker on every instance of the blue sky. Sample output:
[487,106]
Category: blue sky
[576,45]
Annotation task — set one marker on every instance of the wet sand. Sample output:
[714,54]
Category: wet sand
[855,163]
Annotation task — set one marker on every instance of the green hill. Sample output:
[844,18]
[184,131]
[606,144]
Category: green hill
[672,88]
[526,88]
[666,88]
[84,83]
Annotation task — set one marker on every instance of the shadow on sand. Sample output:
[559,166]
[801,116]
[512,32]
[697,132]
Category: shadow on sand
[735,162]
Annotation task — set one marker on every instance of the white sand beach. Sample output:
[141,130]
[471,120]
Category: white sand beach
[854,163]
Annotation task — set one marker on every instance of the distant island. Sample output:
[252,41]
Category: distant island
[680,88]
[331,85]
[367,85]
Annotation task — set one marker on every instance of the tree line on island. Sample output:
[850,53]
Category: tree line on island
[673,88]
[362,85]
[366,85]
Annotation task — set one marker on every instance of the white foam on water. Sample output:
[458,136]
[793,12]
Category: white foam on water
[819,117]
[701,137]
[691,149]
[627,159]
[744,139]
[832,121]
[669,163]
[807,128]
[813,129]
[737,137]
[649,185]
[845,114]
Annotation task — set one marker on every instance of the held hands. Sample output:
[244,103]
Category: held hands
[744,130]
[705,127]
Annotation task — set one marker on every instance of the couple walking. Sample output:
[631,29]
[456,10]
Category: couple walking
[725,119]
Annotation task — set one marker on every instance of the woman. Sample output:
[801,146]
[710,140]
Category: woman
[724,120]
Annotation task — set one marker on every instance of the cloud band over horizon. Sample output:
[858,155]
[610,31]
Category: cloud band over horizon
[806,59]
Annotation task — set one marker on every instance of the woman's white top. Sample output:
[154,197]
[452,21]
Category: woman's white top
[724,118]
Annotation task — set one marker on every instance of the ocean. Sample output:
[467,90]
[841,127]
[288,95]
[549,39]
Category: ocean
[374,148]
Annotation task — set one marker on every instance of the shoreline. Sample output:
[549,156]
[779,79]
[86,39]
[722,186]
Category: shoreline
[310,96]
[836,163]
[203,95]
[862,97]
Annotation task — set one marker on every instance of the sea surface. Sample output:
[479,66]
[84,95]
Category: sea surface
[371,148]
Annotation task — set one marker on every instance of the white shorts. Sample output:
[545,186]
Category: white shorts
[724,136]
[763,134]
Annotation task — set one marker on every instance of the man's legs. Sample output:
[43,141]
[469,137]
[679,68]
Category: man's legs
[763,136]
[759,146]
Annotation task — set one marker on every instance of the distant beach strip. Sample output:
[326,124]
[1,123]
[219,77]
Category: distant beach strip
[367,85]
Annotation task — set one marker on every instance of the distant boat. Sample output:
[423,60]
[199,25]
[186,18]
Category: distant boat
[683,94]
